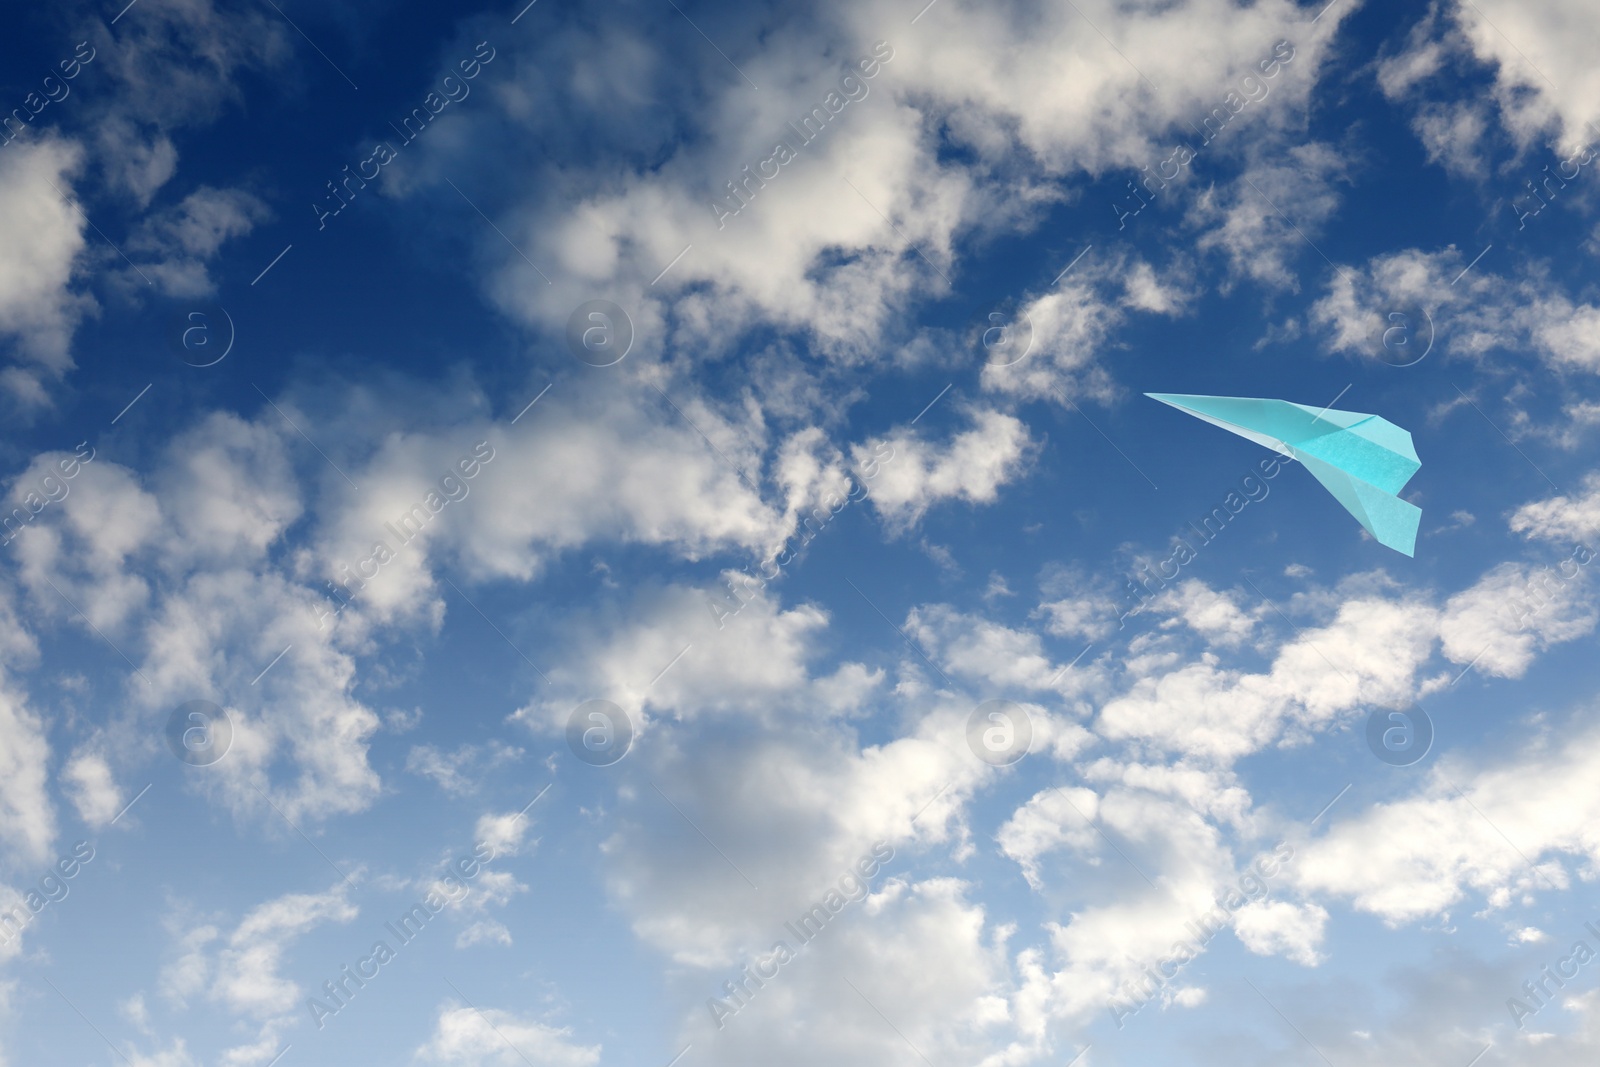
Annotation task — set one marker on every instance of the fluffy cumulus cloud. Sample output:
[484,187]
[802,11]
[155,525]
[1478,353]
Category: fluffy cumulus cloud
[1218,616]
[39,305]
[1544,83]
[1473,314]
[1473,829]
[972,466]
[920,955]
[1048,821]
[1162,819]
[723,832]
[702,652]
[229,486]
[1261,223]
[1282,928]
[29,825]
[93,790]
[981,649]
[831,235]
[1511,613]
[1370,651]
[1054,343]
[1568,516]
[589,467]
[1370,646]
[183,593]
[1174,885]
[468,1037]
[1078,604]
[1066,328]
[697,865]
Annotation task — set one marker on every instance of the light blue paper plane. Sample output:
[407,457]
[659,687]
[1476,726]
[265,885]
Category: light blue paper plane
[1363,460]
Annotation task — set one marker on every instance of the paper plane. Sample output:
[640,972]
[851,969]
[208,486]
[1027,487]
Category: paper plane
[1363,460]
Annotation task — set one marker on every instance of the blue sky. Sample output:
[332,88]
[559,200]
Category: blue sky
[324,531]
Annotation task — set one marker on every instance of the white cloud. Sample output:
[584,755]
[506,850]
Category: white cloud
[246,976]
[1213,791]
[1372,652]
[1369,653]
[1071,323]
[1049,820]
[1024,96]
[175,582]
[173,246]
[44,240]
[1418,856]
[228,487]
[1146,290]
[1472,314]
[85,543]
[791,803]
[242,970]
[176,67]
[1545,78]
[503,832]
[1077,604]
[1262,221]
[922,955]
[93,790]
[136,1011]
[1452,134]
[972,466]
[483,932]
[997,655]
[670,654]
[1513,612]
[1279,928]
[468,1037]
[215,633]
[136,164]
[28,818]
[1212,614]
[1565,517]
[1127,925]
[588,465]
[459,772]
[176,1055]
